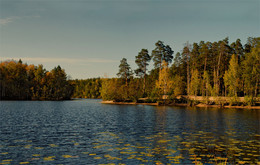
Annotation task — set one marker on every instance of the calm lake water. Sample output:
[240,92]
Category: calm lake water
[87,132]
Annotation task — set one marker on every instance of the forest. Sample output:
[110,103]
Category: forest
[20,81]
[207,69]
[200,69]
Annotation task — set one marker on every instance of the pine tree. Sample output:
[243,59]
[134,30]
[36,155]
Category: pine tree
[186,56]
[251,72]
[142,62]
[125,71]
[162,53]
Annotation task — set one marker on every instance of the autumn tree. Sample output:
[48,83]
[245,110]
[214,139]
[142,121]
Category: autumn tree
[194,83]
[206,86]
[24,82]
[231,76]
[164,83]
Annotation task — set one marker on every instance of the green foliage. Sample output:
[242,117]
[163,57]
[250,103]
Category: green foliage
[178,86]
[135,90]
[251,71]
[205,69]
[231,77]
[195,83]
[233,100]
[249,100]
[88,88]
[206,86]
[114,89]
[25,82]
[109,90]
[201,69]
[164,83]
[162,53]
[142,62]
[125,71]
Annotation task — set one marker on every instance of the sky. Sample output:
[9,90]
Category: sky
[88,38]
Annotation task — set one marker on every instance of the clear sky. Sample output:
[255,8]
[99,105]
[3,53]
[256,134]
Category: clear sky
[88,38]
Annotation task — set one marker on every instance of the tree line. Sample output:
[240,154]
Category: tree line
[88,88]
[20,81]
[200,69]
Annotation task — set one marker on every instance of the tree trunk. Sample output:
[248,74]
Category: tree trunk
[205,67]
[144,80]
[188,78]
[256,86]
[218,82]
[126,84]
[215,81]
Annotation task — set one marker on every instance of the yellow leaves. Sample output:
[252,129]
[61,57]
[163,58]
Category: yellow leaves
[7,160]
[24,163]
[163,141]
[53,145]
[69,156]
[49,158]
[204,148]
[76,144]
[38,148]
[100,146]
[36,155]
[4,153]
[28,146]
[109,157]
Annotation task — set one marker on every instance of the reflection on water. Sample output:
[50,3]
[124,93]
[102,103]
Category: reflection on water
[87,132]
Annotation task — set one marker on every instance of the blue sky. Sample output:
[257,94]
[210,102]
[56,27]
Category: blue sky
[88,38]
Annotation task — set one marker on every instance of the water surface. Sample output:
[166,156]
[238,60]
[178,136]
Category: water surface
[87,132]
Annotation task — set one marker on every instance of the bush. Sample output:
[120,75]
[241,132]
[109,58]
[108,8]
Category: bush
[249,100]
[233,100]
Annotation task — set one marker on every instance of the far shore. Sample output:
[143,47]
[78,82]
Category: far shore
[183,105]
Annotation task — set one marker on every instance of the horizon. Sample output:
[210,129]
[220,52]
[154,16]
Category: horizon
[89,38]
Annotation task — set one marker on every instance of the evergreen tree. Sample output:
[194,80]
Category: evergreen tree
[142,62]
[125,71]
[251,72]
[162,53]
[186,56]
[237,49]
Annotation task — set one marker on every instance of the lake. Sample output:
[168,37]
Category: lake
[87,132]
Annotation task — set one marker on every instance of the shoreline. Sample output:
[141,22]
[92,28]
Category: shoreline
[128,103]
[182,105]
